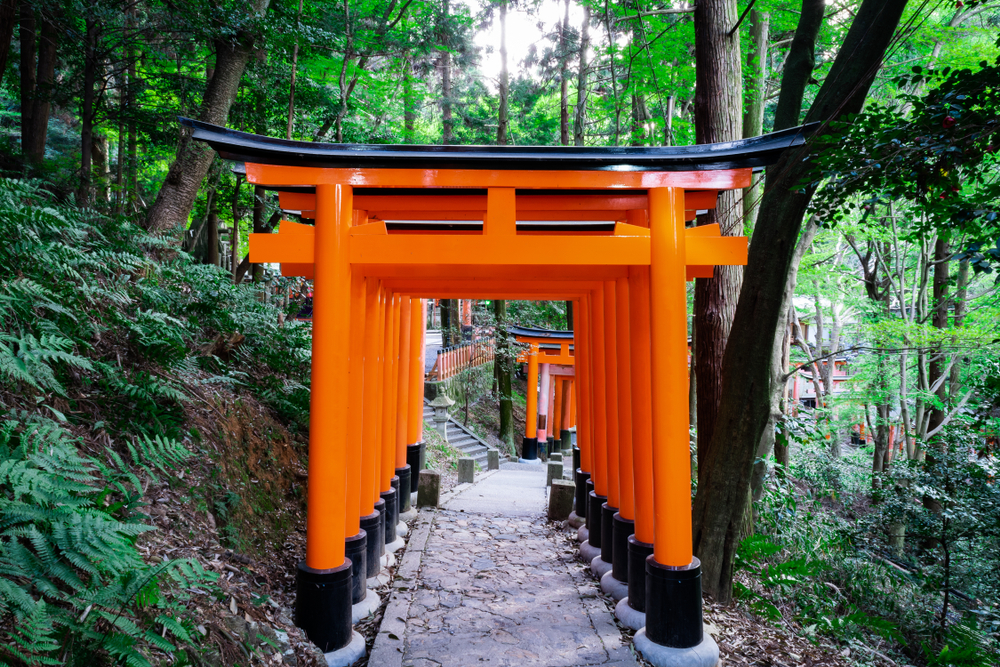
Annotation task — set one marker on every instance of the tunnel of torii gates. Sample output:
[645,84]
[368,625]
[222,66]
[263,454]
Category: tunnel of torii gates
[548,355]
[604,227]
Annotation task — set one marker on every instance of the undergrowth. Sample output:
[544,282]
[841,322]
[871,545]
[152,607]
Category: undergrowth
[107,334]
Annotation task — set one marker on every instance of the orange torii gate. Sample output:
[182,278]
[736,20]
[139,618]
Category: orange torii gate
[603,227]
[550,355]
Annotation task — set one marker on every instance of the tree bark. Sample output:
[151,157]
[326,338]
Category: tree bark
[564,79]
[503,367]
[409,103]
[85,195]
[580,115]
[939,320]
[291,83]
[176,197]
[8,19]
[718,117]
[504,78]
[725,476]
[29,73]
[447,124]
[799,65]
[753,117]
[38,80]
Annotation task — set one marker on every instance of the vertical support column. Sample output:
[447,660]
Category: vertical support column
[583,453]
[403,403]
[543,407]
[388,464]
[624,521]
[323,583]
[557,404]
[356,541]
[553,417]
[610,507]
[371,518]
[529,449]
[673,575]
[415,420]
[599,474]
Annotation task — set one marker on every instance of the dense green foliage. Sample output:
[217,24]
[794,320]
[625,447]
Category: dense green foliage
[105,335]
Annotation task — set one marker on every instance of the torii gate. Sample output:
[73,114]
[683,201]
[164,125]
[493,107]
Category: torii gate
[604,227]
[552,352]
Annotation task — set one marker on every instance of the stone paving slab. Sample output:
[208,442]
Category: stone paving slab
[497,585]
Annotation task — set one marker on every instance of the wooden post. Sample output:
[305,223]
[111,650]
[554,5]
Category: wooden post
[355,403]
[403,379]
[611,392]
[369,407]
[642,424]
[626,502]
[327,489]
[415,420]
[600,472]
[668,320]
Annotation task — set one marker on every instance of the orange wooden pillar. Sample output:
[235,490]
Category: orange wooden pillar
[599,385]
[403,403]
[582,455]
[623,522]
[370,518]
[557,401]
[529,449]
[323,600]
[415,419]
[356,544]
[610,507]
[389,377]
[673,575]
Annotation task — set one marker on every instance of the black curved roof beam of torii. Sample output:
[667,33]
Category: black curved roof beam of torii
[741,154]
[527,332]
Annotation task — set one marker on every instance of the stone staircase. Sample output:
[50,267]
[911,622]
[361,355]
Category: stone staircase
[462,439]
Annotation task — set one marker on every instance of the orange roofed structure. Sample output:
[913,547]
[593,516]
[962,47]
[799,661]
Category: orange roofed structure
[603,227]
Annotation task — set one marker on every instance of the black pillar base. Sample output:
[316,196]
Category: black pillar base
[581,478]
[576,460]
[415,459]
[529,449]
[371,525]
[550,446]
[638,552]
[394,482]
[594,519]
[589,489]
[323,605]
[607,532]
[623,529]
[380,508]
[673,604]
[356,550]
[391,515]
[404,483]
[567,439]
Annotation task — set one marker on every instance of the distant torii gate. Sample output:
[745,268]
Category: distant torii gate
[603,227]
[549,354]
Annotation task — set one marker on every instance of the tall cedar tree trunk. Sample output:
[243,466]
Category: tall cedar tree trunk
[447,124]
[564,79]
[753,116]
[939,320]
[718,117]
[8,19]
[409,103]
[132,173]
[173,202]
[569,316]
[85,195]
[291,82]
[503,367]
[504,78]
[37,79]
[724,477]
[580,115]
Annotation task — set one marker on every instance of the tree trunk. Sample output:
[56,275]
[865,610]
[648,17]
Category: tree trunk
[753,117]
[132,165]
[958,321]
[502,368]
[447,126]
[725,475]
[409,103]
[101,168]
[580,116]
[291,83]
[564,79]
[8,19]
[939,320]
[718,117]
[799,65]
[176,197]
[85,195]
[504,78]
[212,252]
[26,35]
[259,206]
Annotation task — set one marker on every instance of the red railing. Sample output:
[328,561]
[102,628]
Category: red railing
[453,360]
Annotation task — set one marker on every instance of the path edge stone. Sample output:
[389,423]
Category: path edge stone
[388,652]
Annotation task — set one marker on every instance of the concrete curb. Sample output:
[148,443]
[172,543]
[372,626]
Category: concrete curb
[390,641]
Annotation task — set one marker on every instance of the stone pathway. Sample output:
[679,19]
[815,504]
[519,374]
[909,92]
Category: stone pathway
[487,581]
